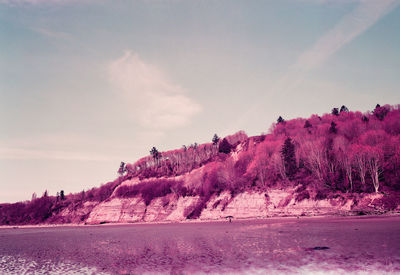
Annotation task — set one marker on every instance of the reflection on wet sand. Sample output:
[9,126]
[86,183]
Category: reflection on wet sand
[277,246]
[19,265]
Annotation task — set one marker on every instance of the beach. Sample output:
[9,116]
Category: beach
[366,245]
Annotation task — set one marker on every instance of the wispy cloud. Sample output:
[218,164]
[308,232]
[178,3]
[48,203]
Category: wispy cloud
[52,34]
[353,24]
[155,100]
[50,2]
[36,154]
[61,146]
[34,2]
[328,1]
[366,14]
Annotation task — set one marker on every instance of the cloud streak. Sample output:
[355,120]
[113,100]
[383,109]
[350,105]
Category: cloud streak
[155,100]
[366,14]
[52,34]
[57,147]
[353,24]
[35,2]
[7,153]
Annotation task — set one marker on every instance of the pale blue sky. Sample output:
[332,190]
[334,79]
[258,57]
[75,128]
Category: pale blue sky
[87,84]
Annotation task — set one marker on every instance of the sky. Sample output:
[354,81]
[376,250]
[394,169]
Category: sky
[87,84]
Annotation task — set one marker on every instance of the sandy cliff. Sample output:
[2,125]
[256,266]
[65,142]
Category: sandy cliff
[335,164]
[275,202]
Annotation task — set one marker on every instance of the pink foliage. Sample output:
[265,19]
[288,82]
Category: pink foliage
[361,155]
[152,189]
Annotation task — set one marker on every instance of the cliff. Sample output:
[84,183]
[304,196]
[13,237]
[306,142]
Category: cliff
[246,205]
[343,163]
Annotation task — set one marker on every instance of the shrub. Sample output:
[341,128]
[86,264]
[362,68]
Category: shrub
[321,194]
[198,208]
[300,188]
[302,196]
[152,189]
[390,201]
[104,191]
[225,147]
[31,212]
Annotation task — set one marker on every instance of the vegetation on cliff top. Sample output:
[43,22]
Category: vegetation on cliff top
[340,152]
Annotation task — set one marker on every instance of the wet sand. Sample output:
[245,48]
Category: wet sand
[362,245]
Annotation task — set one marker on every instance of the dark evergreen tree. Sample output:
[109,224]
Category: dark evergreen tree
[335,111]
[62,196]
[289,158]
[215,139]
[344,109]
[122,168]
[156,155]
[225,147]
[154,152]
[280,120]
[365,119]
[333,129]
[380,112]
[307,124]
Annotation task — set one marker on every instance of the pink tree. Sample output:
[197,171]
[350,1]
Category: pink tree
[374,142]
[360,158]
[258,169]
[346,162]
[314,155]
[374,164]
[277,165]
[260,166]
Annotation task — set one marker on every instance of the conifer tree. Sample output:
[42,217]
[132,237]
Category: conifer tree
[215,139]
[156,155]
[289,158]
[344,109]
[380,112]
[280,120]
[225,147]
[333,129]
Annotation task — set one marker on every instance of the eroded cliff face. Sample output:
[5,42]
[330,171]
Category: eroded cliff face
[329,175]
[274,203]
[74,213]
[118,210]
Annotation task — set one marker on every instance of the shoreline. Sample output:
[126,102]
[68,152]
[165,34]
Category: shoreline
[341,217]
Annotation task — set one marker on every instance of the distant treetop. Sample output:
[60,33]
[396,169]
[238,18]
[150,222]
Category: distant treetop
[335,111]
[215,139]
[381,112]
[344,109]
[154,152]
[225,147]
[280,120]
[333,129]
[307,124]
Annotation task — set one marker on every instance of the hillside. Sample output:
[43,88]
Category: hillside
[341,163]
